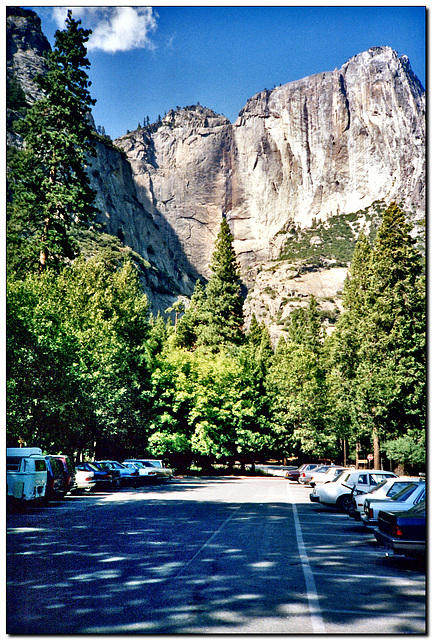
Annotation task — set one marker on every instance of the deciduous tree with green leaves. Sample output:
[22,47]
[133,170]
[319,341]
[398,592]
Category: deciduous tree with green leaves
[78,362]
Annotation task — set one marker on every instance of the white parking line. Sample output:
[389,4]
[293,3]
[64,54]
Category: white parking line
[318,625]
[208,541]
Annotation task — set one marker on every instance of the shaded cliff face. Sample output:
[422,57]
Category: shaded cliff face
[182,172]
[25,49]
[121,213]
[328,144]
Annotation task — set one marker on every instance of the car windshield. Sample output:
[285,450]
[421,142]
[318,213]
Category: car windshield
[155,463]
[103,465]
[376,478]
[397,488]
[93,467]
[13,464]
[337,473]
[417,509]
[404,494]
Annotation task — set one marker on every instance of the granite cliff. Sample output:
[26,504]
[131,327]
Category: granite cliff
[329,144]
[297,175]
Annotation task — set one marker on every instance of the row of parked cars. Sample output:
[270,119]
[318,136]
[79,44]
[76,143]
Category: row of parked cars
[393,507]
[34,477]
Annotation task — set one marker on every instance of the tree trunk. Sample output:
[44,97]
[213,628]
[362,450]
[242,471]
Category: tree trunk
[357,454]
[43,256]
[376,449]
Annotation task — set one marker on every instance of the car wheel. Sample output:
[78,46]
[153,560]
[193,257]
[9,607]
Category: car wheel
[344,502]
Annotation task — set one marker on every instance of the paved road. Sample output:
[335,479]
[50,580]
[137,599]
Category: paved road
[229,555]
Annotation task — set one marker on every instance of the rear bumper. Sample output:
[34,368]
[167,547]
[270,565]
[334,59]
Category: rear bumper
[400,546]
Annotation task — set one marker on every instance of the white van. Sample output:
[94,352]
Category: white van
[26,475]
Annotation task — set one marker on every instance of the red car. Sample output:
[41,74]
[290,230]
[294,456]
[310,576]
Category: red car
[294,474]
[68,469]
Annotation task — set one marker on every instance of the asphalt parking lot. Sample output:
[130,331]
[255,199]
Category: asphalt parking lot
[205,555]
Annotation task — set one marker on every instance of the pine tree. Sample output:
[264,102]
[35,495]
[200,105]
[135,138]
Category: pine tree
[255,333]
[391,377]
[223,317]
[50,188]
[378,354]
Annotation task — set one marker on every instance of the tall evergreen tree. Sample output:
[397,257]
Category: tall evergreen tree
[342,349]
[48,180]
[391,377]
[223,316]
[255,333]
[377,355]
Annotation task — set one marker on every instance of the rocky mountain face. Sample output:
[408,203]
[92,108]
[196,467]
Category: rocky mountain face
[309,150]
[297,175]
[121,213]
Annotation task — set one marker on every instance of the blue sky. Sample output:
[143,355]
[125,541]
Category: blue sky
[145,62]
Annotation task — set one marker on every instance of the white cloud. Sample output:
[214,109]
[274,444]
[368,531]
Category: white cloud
[114,28]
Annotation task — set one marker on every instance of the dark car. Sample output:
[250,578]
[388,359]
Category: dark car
[103,477]
[294,474]
[122,475]
[55,487]
[68,469]
[403,532]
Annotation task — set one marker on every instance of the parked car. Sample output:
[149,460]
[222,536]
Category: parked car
[403,532]
[320,476]
[155,472]
[102,477]
[294,474]
[164,472]
[385,489]
[84,480]
[144,473]
[338,492]
[306,474]
[414,493]
[121,475]
[26,476]
[68,472]
[55,488]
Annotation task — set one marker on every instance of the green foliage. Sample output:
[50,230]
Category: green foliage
[223,309]
[48,179]
[15,96]
[296,390]
[378,351]
[214,402]
[333,239]
[190,323]
[77,356]
[215,315]
[409,450]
